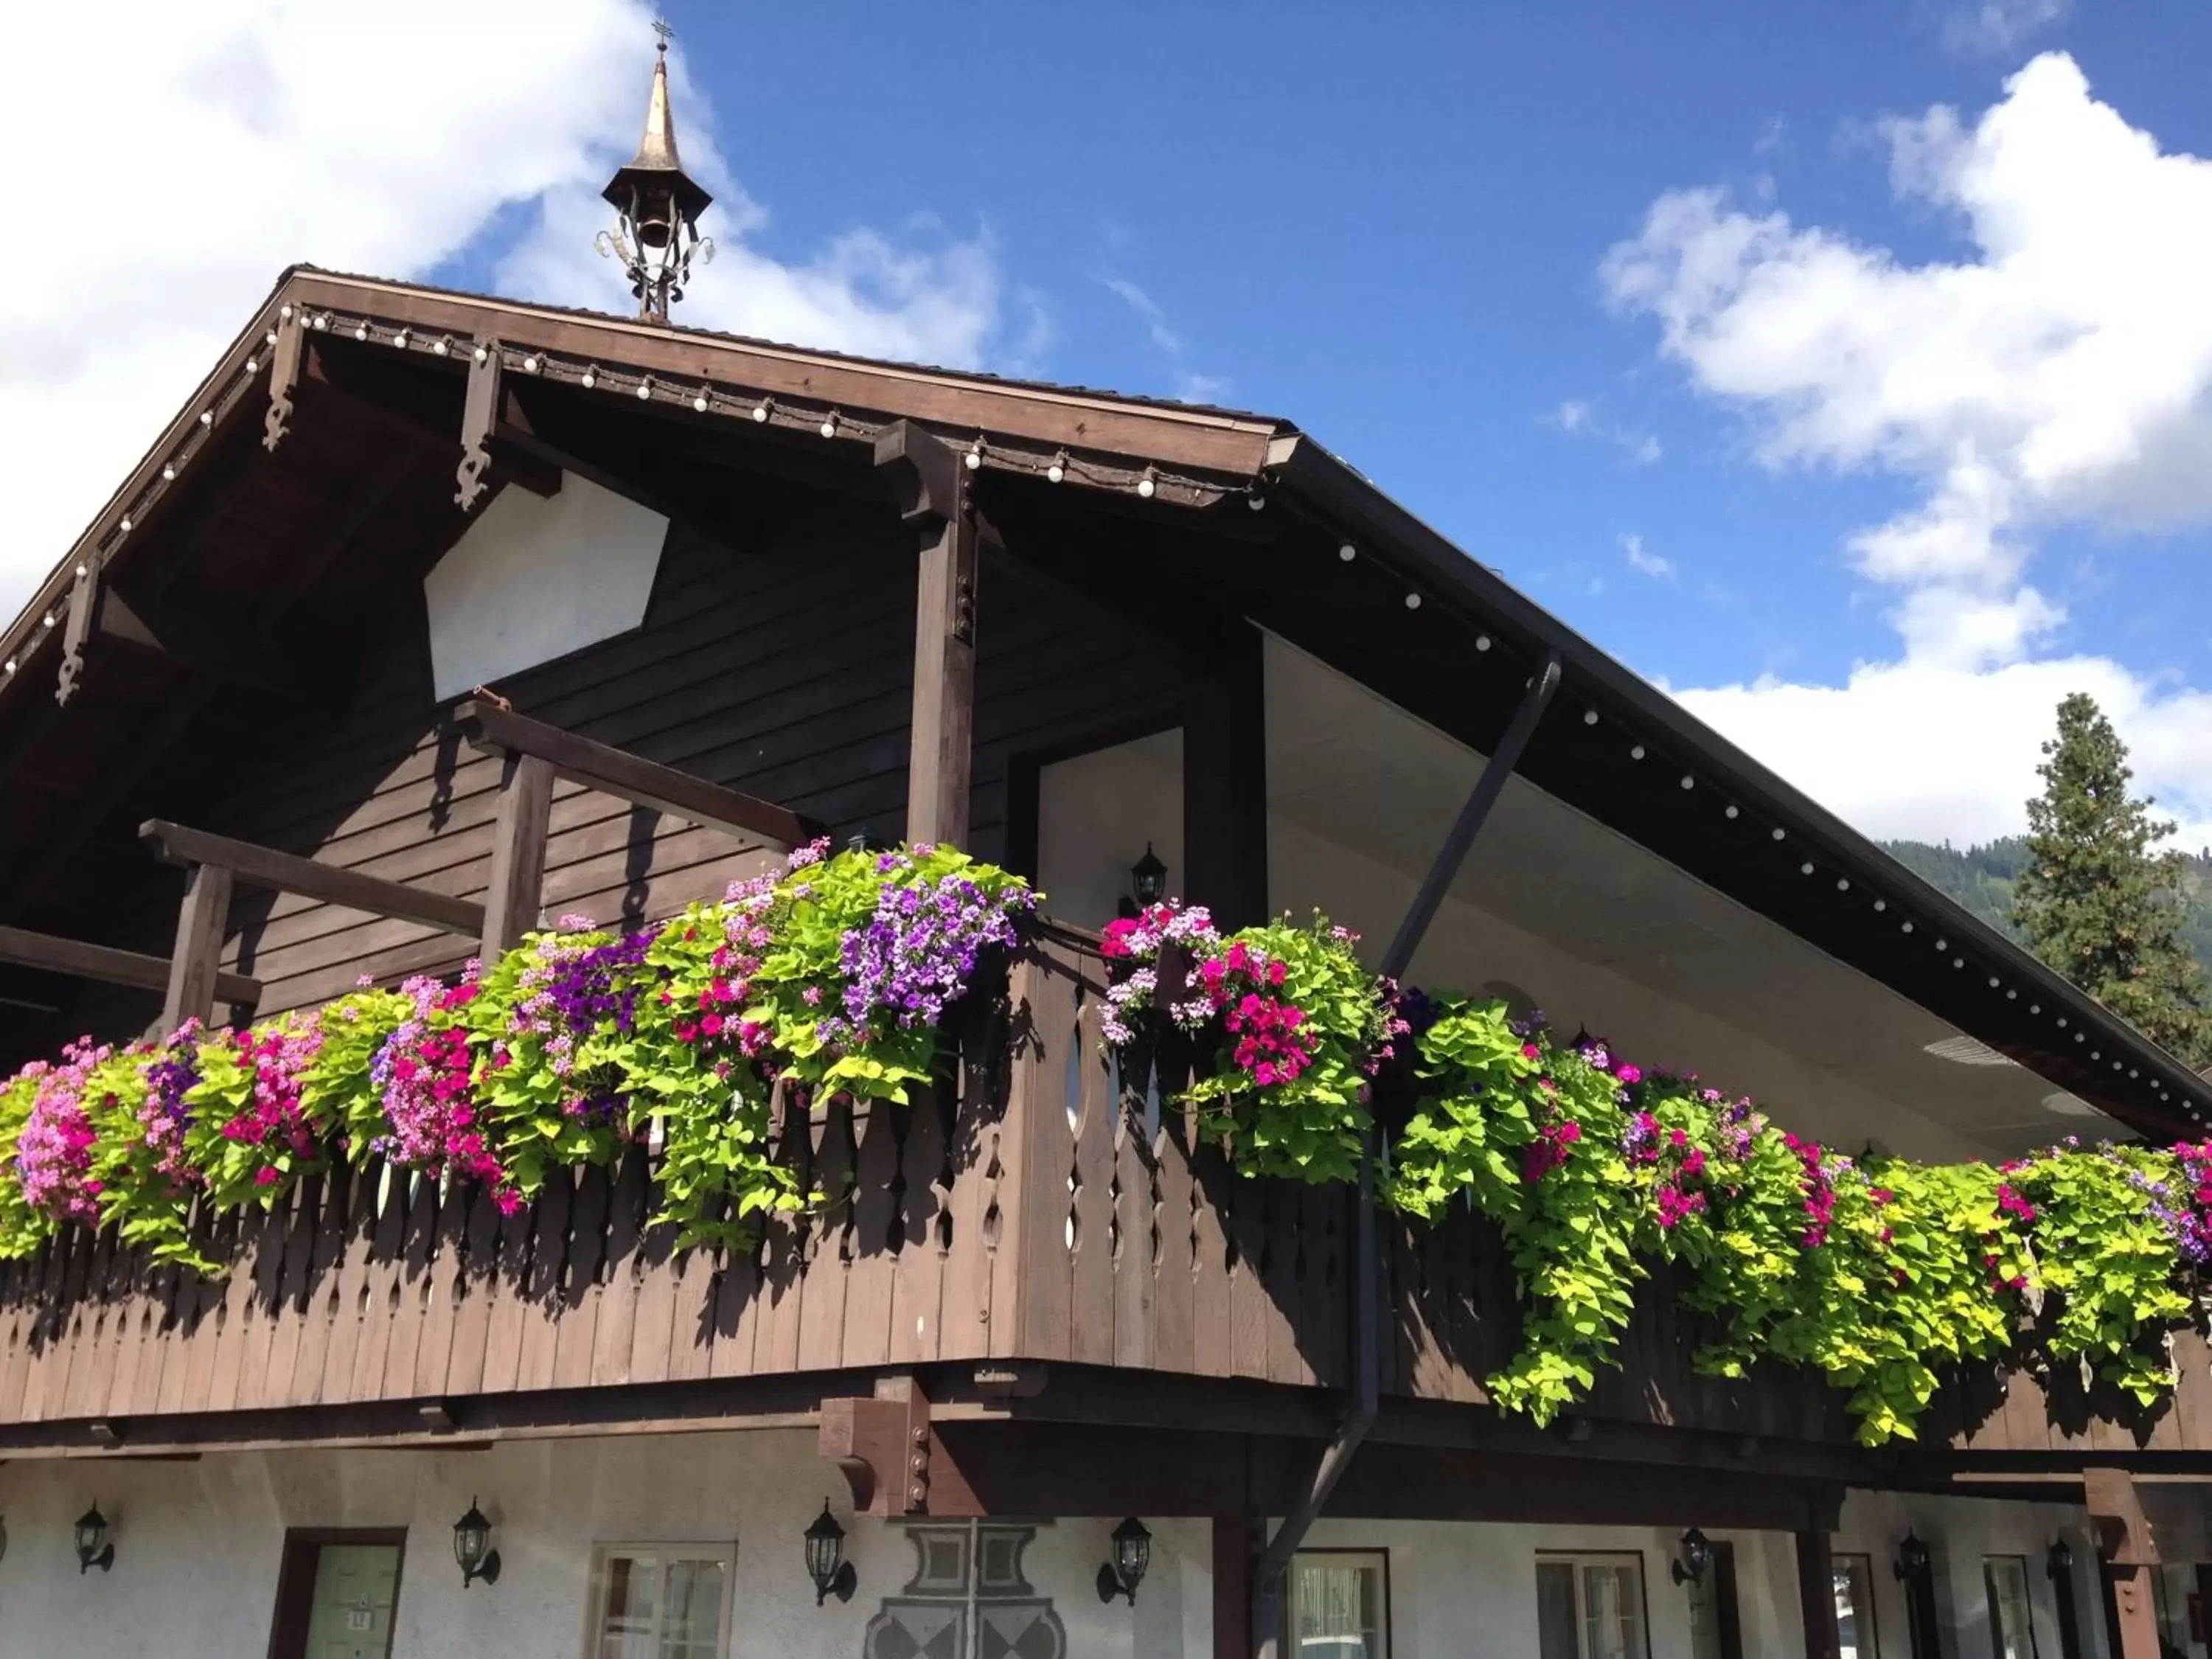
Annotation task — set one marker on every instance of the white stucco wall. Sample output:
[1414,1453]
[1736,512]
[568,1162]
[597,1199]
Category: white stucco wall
[536,577]
[198,1545]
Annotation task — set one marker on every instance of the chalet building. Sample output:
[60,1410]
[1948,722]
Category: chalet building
[432,616]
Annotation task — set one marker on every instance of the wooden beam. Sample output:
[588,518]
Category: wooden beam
[1234,1548]
[1816,1594]
[627,776]
[479,414]
[518,851]
[109,966]
[1224,787]
[202,921]
[2131,1553]
[283,380]
[933,494]
[83,601]
[264,867]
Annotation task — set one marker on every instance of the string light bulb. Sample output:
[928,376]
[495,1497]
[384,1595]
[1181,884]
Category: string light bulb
[591,378]
[1412,602]
[1347,553]
[1589,717]
[1254,499]
[645,389]
[828,426]
[483,355]
[438,347]
[361,330]
[1149,485]
[1779,833]
[1881,905]
[760,412]
[699,402]
[1688,782]
[1730,812]
[1482,641]
[974,457]
[1056,471]
[1636,751]
[254,365]
[1806,868]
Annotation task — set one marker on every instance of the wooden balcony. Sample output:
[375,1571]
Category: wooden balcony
[1019,1218]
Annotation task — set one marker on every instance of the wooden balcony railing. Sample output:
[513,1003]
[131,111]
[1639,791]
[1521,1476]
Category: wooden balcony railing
[1028,1211]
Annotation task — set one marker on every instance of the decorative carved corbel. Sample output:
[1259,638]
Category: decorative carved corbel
[74,632]
[284,379]
[479,414]
[881,1445]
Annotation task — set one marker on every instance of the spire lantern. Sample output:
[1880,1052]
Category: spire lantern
[657,207]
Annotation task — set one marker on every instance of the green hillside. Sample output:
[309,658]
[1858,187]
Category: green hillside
[1981,879]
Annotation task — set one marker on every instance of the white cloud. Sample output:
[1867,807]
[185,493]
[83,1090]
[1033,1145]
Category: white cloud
[2057,372]
[1998,25]
[1190,385]
[1642,558]
[240,136]
[1579,418]
[2061,374]
[1932,750]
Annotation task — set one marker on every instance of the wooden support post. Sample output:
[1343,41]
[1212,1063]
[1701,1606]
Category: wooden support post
[881,1444]
[1816,1595]
[1235,1546]
[201,921]
[2123,1538]
[933,494]
[1224,787]
[518,853]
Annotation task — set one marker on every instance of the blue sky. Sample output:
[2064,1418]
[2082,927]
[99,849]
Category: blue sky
[1421,232]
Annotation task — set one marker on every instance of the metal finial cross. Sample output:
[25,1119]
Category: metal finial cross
[660,27]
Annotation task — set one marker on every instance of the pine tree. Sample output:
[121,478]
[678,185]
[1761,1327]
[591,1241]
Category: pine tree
[2096,901]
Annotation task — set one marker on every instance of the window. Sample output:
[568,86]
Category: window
[1590,1607]
[1716,1630]
[1339,1605]
[2012,1630]
[659,1601]
[1855,1630]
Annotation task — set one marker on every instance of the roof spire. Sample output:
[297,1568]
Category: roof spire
[656,206]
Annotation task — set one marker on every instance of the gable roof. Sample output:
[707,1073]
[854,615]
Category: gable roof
[1618,762]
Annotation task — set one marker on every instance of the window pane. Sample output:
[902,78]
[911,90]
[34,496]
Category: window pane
[1337,1610]
[1855,1608]
[1613,1613]
[627,1625]
[1555,1618]
[2006,1578]
[691,1623]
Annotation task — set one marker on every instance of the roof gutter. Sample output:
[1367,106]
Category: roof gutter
[1346,498]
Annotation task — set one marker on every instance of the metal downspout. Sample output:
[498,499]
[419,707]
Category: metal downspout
[1366,1334]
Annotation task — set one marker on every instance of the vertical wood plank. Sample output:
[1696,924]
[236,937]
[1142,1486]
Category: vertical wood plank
[878,1232]
[384,1288]
[981,1196]
[1174,1264]
[441,1287]
[476,1286]
[1048,1083]
[410,1299]
[354,1210]
[925,1221]
[583,1292]
[1092,1200]
[829,1259]
[614,1329]
[318,1302]
[201,922]
[543,1280]
[507,1293]
[774,1312]
[1136,1224]
[1213,1272]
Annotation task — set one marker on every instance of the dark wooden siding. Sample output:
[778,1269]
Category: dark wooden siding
[776,660]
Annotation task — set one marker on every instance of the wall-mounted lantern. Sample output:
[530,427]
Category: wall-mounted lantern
[472,1549]
[1911,1559]
[93,1547]
[1148,883]
[826,1565]
[1133,1555]
[1695,1556]
[2058,1560]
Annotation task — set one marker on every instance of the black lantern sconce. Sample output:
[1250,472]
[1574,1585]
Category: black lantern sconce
[1148,883]
[1911,1567]
[94,1548]
[1133,1555]
[1696,1555]
[472,1549]
[826,1565]
[2058,1561]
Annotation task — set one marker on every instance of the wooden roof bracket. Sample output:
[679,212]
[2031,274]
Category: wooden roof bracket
[479,416]
[83,601]
[2124,1540]
[1366,1337]
[881,1444]
[283,379]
